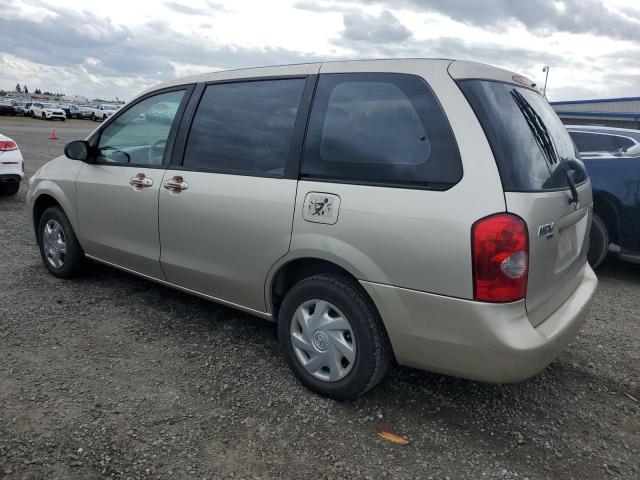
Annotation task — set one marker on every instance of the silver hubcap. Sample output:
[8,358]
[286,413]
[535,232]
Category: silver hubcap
[323,340]
[54,243]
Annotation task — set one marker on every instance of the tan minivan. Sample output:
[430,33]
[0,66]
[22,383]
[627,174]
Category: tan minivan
[431,212]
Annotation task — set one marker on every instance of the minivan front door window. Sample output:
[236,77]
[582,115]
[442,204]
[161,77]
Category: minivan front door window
[139,135]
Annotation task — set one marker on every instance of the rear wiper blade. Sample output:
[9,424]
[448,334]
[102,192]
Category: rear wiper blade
[572,186]
[544,140]
[537,127]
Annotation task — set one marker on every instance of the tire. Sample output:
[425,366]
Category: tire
[44,117]
[63,119]
[366,335]
[598,242]
[74,257]
[10,188]
[93,117]
[104,117]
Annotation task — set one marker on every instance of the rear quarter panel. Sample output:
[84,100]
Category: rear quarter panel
[417,239]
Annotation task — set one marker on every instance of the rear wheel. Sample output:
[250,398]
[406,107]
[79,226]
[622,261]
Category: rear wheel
[598,242]
[59,247]
[333,337]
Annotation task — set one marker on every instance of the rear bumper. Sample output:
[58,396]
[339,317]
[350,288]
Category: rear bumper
[11,167]
[480,341]
[6,179]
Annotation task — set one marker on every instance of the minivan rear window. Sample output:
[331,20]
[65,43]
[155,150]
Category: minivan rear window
[531,146]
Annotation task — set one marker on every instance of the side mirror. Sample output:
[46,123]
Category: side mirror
[77,150]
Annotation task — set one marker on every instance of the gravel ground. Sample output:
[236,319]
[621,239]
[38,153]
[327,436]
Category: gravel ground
[111,376]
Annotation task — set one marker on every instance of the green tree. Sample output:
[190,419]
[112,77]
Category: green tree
[25,89]
[18,89]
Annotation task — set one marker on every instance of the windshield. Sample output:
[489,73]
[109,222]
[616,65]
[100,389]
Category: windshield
[633,151]
[108,107]
[531,146]
[48,105]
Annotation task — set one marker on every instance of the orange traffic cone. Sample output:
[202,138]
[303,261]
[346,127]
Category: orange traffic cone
[53,135]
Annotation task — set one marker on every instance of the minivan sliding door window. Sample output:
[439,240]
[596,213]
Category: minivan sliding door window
[244,127]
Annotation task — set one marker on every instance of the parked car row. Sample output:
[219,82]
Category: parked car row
[53,111]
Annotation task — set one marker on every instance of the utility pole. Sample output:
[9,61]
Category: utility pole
[544,90]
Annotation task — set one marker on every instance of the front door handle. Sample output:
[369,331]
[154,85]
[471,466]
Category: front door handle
[176,184]
[140,181]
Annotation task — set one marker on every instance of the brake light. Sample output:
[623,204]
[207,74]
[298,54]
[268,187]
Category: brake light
[7,145]
[500,250]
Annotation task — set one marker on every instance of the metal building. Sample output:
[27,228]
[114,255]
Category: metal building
[611,112]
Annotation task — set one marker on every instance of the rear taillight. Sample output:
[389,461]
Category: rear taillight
[500,249]
[5,145]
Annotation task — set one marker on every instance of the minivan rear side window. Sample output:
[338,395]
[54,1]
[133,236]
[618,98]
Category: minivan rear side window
[381,129]
[531,146]
[244,127]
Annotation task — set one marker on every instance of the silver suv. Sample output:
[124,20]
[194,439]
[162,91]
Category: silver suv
[430,212]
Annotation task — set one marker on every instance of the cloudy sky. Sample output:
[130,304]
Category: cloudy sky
[117,48]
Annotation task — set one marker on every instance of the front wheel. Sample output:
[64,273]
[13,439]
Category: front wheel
[598,242]
[333,337]
[59,247]
[44,117]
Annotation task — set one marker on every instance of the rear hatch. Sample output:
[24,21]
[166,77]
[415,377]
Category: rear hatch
[544,182]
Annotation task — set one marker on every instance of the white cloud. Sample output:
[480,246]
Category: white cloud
[121,47]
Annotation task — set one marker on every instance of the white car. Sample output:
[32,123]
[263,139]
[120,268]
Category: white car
[47,111]
[11,166]
[103,111]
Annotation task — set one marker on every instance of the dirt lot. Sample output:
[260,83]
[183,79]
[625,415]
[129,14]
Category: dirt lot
[111,376]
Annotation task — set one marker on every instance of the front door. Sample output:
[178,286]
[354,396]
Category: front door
[226,212]
[117,194]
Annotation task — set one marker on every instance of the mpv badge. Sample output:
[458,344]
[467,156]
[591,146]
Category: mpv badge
[546,230]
